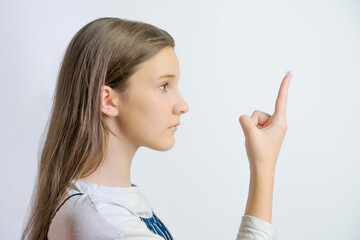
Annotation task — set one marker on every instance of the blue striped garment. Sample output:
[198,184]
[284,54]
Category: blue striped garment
[157,227]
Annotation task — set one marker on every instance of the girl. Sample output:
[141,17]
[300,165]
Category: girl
[117,91]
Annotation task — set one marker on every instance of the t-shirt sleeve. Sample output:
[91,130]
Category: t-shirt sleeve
[253,228]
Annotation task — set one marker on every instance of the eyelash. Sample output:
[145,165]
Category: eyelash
[165,84]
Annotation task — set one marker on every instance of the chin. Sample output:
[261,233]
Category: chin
[166,145]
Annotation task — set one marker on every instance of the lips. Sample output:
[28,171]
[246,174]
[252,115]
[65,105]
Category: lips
[176,125]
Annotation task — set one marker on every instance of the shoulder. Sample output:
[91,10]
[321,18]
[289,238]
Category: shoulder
[78,218]
[87,217]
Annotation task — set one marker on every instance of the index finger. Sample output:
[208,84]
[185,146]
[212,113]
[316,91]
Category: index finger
[280,106]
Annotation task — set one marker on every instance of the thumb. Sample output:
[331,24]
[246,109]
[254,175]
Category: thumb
[246,124]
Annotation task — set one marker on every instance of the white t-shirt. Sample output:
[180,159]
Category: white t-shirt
[94,211]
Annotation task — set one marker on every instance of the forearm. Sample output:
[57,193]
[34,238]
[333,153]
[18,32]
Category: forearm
[259,203]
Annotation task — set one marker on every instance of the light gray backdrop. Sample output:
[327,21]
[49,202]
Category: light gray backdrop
[233,55]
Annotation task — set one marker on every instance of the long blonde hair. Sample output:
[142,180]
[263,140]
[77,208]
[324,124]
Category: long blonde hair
[105,51]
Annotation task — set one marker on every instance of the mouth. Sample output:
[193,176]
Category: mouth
[175,125]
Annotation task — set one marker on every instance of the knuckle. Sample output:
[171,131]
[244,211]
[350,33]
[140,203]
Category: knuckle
[257,112]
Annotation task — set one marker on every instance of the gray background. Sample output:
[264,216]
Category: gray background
[233,55]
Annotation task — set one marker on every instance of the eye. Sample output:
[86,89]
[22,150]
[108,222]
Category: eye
[165,85]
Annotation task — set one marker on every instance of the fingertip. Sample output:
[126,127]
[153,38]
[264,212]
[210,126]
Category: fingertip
[288,76]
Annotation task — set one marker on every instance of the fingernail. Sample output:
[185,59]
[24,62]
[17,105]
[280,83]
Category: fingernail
[288,72]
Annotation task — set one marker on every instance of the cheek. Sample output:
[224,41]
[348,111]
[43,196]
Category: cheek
[151,112]
[155,112]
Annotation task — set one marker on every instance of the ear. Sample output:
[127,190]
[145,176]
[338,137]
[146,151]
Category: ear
[109,101]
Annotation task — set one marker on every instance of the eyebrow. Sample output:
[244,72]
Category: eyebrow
[166,76]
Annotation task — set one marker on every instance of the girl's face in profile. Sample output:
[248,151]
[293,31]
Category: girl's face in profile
[153,102]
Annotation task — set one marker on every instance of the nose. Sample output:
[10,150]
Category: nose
[185,108]
[182,107]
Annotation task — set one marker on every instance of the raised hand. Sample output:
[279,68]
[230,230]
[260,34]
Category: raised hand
[265,133]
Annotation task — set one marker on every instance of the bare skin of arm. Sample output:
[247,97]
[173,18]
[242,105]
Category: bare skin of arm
[259,203]
[264,134]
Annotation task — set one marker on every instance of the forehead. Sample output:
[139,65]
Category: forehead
[163,63]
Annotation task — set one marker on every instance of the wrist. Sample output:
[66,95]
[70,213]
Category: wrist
[262,171]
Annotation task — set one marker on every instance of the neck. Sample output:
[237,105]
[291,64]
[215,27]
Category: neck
[115,171]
